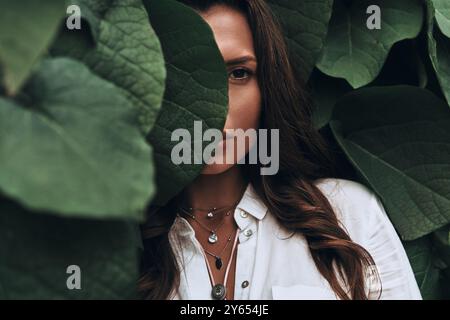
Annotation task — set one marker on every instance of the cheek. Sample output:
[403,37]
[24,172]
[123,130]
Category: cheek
[243,113]
[244,106]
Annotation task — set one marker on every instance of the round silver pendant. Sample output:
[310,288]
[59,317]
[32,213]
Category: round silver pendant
[213,238]
[218,292]
[210,215]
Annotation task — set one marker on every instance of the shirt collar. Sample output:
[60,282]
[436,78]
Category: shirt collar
[252,204]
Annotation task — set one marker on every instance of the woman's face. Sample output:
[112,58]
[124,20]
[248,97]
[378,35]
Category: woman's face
[234,39]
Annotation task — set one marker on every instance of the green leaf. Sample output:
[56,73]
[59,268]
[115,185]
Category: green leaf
[27,28]
[197,89]
[439,51]
[72,146]
[127,52]
[426,267]
[398,138]
[442,14]
[357,54]
[36,250]
[305,24]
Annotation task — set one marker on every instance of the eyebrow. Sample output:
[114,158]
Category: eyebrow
[240,60]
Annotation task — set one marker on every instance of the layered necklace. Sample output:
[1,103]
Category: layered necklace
[211,213]
[218,291]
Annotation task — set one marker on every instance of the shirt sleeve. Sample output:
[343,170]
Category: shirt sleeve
[394,269]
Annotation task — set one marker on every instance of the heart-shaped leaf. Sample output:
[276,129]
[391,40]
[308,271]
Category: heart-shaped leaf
[72,145]
[398,138]
[305,24]
[126,52]
[27,28]
[354,52]
[197,85]
[38,252]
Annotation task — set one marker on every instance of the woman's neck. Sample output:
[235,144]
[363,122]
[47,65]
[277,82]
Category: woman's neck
[219,190]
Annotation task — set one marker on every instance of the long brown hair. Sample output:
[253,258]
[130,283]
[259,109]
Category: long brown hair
[291,195]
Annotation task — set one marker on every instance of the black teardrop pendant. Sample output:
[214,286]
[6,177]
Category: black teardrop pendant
[218,263]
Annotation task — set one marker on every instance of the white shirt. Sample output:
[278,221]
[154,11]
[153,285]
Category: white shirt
[278,267]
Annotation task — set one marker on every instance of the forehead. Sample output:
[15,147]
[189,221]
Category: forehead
[231,31]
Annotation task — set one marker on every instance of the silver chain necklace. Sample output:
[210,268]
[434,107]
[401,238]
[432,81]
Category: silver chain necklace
[211,212]
[213,237]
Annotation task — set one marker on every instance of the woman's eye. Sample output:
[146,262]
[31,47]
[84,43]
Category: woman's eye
[239,74]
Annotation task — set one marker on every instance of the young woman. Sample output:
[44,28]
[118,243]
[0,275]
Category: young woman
[300,234]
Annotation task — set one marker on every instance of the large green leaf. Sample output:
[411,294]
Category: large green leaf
[427,267]
[72,146]
[305,24]
[26,29]
[439,51]
[36,250]
[442,14]
[196,88]
[399,140]
[357,54]
[126,52]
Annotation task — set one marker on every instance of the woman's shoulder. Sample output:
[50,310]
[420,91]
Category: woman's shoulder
[344,190]
[364,217]
[355,205]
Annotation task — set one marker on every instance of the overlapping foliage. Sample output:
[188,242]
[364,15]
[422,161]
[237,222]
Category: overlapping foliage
[86,117]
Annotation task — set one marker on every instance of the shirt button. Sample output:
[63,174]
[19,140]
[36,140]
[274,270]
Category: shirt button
[248,232]
[245,284]
[244,214]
